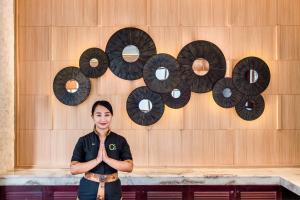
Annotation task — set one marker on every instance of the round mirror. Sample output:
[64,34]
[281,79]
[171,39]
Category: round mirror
[94,62]
[72,86]
[175,93]
[130,53]
[227,92]
[145,105]
[162,73]
[200,66]
[251,76]
[249,105]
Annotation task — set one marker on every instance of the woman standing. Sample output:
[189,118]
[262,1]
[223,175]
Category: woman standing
[100,155]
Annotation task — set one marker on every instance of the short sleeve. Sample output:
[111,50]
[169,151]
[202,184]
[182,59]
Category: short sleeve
[78,152]
[125,153]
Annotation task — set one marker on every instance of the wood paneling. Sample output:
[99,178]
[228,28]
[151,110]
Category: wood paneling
[35,148]
[164,148]
[254,12]
[204,12]
[164,13]
[74,12]
[253,41]
[34,43]
[289,77]
[52,35]
[289,42]
[207,148]
[34,12]
[288,12]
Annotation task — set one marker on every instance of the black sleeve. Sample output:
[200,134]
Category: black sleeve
[78,152]
[125,153]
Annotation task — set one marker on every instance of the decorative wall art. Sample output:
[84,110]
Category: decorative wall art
[93,62]
[202,64]
[128,50]
[144,106]
[200,67]
[71,86]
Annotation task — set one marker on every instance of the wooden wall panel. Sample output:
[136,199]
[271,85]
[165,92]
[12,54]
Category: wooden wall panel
[164,13]
[289,42]
[254,12]
[254,41]
[35,78]
[35,148]
[34,43]
[34,12]
[68,43]
[74,12]
[207,148]
[204,12]
[203,113]
[290,109]
[35,112]
[166,39]
[164,148]
[288,12]
[53,34]
[289,77]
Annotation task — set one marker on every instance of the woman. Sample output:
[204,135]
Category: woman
[100,155]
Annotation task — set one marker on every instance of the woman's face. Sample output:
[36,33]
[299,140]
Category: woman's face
[102,117]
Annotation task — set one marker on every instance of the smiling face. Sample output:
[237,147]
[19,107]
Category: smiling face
[102,117]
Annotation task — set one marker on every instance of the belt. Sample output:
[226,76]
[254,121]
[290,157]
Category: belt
[101,179]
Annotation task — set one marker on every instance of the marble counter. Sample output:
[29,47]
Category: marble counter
[286,177]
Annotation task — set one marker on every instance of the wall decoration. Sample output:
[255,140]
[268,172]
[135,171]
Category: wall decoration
[178,97]
[200,67]
[251,76]
[71,87]
[93,62]
[144,106]
[202,64]
[161,73]
[128,50]
[250,107]
[225,93]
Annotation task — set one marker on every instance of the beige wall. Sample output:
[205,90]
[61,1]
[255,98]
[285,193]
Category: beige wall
[52,34]
[7,69]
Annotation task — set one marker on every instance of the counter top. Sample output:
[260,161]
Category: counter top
[286,177]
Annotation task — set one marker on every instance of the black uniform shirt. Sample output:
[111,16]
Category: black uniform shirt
[87,148]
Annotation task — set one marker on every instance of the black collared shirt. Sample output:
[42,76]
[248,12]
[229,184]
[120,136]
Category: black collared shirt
[87,148]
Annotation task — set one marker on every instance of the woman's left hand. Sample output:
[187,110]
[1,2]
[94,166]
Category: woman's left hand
[105,157]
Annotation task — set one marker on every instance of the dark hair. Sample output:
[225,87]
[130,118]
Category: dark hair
[104,103]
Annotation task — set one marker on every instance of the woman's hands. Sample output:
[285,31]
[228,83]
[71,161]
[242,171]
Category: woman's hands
[102,155]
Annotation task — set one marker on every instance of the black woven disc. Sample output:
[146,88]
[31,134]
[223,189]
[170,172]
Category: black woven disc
[85,66]
[140,117]
[121,39]
[59,86]
[172,101]
[225,93]
[161,60]
[257,105]
[211,53]
[241,74]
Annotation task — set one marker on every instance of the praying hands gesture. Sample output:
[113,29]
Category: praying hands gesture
[102,155]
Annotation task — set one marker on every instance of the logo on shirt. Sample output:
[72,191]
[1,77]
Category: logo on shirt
[112,147]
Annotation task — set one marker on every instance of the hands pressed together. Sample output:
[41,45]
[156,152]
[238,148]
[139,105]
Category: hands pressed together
[102,155]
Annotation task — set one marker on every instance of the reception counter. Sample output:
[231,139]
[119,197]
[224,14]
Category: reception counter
[286,177]
[289,178]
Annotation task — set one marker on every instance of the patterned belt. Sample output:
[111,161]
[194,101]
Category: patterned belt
[101,179]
